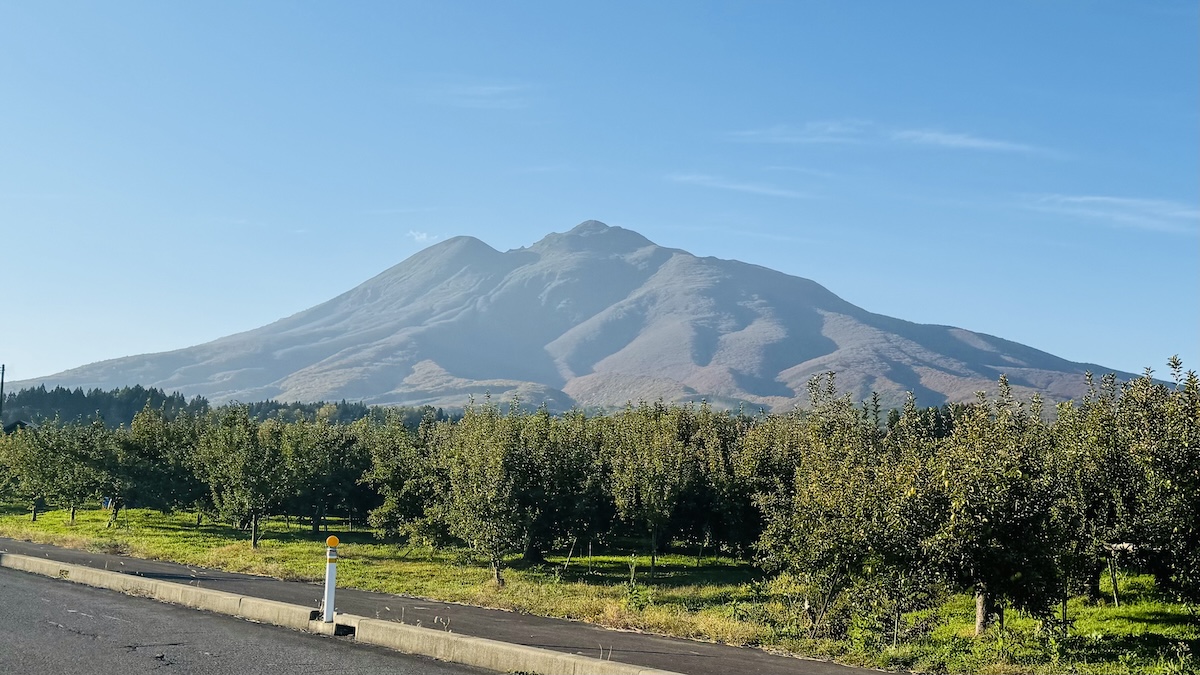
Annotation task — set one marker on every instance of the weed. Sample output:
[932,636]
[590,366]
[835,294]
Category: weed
[638,598]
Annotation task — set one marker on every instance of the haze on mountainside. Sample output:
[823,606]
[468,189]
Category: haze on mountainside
[594,317]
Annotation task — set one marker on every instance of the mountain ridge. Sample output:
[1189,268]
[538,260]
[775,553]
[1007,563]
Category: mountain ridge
[595,317]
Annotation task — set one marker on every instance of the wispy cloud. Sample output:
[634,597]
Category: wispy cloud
[818,173]
[722,184]
[1154,215]
[421,237]
[487,96]
[960,141]
[854,131]
[835,131]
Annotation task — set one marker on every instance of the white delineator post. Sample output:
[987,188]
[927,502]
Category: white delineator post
[330,576]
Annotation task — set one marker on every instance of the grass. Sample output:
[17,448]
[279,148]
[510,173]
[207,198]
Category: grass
[719,600]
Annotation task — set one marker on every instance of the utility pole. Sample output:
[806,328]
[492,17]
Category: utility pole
[1,395]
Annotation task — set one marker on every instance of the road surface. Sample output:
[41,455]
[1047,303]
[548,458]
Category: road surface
[52,627]
[572,637]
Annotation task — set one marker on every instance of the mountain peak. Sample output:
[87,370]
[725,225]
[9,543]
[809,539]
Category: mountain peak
[468,250]
[594,236]
[589,227]
[464,242]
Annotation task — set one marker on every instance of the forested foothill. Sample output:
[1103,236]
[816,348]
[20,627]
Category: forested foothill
[848,530]
[118,407]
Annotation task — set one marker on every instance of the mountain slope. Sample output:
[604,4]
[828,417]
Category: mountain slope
[596,316]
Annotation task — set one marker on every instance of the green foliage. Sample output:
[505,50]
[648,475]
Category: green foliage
[115,408]
[152,464]
[1000,537]
[118,407]
[242,462]
[557,479]
[323,463]
[865,523]
[483,461]
[651,466]
[856,515]
[59,464]
[409,478]
[31,470]
[1162,428]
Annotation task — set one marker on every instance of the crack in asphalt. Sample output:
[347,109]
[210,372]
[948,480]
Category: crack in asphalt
[73,630]
[134,648]
[160,657]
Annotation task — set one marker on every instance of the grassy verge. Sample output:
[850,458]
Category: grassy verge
[718,600]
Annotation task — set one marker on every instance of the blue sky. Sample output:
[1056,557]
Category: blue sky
[174,172]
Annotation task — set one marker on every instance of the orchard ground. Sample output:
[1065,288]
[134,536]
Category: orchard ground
[710,598]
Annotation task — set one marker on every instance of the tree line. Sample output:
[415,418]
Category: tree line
[882,511]
[117,407]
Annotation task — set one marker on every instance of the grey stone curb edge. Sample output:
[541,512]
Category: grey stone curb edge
[445,646]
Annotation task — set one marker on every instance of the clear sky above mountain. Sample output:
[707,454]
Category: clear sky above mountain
[171,173]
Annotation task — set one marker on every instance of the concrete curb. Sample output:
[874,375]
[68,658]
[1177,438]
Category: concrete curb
[484,653]
[442,645]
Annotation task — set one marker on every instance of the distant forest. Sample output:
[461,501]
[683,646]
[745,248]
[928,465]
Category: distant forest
[118,407]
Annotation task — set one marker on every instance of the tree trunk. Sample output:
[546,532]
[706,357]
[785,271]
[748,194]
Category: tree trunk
[254,531]
[827,597]
[116,510]
[896,626]
[199,517]
[983,609]
[1094,593]
[533,554]
[1112,573]
[653,551]
[72,515]
[496,575]
[35,510]
[316,520]
[1065,629]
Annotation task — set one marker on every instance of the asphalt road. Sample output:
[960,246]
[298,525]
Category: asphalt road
[570,637]
[51,627]
[573,637]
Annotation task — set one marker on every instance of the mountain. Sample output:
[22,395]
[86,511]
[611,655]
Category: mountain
[596,316]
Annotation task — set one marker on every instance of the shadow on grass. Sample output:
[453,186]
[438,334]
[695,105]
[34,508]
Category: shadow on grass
[1148,618]
[1147,646]
[608,571]
[22,508]
[307,535]
[214,529]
